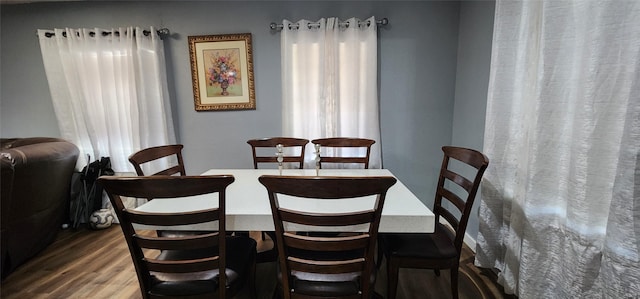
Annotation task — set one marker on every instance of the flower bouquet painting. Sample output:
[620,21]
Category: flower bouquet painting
[222,72]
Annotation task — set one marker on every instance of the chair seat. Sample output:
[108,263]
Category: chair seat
[320,284]
[325,284]
[238,265]
[437,245]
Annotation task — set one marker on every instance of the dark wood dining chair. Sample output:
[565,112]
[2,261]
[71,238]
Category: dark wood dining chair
[189,266]
[332,150]
[260,148]
[153,156]
[460,176]
[264,152]
[340,266]
[165,160]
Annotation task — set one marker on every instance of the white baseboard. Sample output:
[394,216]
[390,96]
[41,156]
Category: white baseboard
[471,242]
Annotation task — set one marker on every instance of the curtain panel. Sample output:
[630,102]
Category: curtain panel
[109,91]
[560,209]
[329,82]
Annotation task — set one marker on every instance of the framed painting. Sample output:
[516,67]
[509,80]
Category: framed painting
[222,72]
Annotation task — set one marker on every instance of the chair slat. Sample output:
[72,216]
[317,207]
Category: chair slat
[208,240]
[339,243]
[458,179]
[338,219]
[170,219]
[170,171]
[326,267]
[453,198]
[185,266]
[453,220]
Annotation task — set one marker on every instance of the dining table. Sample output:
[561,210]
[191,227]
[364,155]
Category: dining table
[248,208]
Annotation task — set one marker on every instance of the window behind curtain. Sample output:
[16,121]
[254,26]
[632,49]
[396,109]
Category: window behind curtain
[109,91]
[329,81]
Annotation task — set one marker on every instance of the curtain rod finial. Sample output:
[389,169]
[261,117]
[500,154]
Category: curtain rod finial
[163,31]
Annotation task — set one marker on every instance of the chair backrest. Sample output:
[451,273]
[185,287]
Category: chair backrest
[295,146]
[151,268]
[331,254]
[332,150]
[160,154]
[457,186]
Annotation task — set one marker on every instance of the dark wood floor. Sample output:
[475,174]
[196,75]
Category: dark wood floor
[96,264]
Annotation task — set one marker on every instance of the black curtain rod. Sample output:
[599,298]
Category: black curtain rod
[381,22]
[162,32]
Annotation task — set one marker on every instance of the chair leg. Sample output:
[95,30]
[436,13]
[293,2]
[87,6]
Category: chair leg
[379,258]
[454,282]
[253,291]
[393,268]
[278,293]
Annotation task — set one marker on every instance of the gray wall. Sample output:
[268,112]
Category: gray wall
[472,79]
[422,106]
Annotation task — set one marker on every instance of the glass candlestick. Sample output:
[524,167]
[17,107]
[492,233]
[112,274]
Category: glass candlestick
[280,157]
[317,159]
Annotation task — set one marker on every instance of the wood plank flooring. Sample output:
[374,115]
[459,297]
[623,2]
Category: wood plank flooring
[85,263]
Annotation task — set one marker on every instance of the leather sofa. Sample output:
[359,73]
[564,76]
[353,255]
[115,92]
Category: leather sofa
[36,178]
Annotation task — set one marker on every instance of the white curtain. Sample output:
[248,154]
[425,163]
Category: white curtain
[109,91]
[560,215]
[329,82]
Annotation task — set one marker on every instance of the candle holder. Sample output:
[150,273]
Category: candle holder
[280,157]
[317,146]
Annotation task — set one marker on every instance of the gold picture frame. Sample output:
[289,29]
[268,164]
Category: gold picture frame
[222,72]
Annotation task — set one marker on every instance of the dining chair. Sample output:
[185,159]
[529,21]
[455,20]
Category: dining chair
[171,155]
[189,266]
[264,152]
[165,160]
[332,150]
[294,146]
[458,182]
[340,266]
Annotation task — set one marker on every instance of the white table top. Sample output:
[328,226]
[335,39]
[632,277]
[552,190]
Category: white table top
[248,206]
